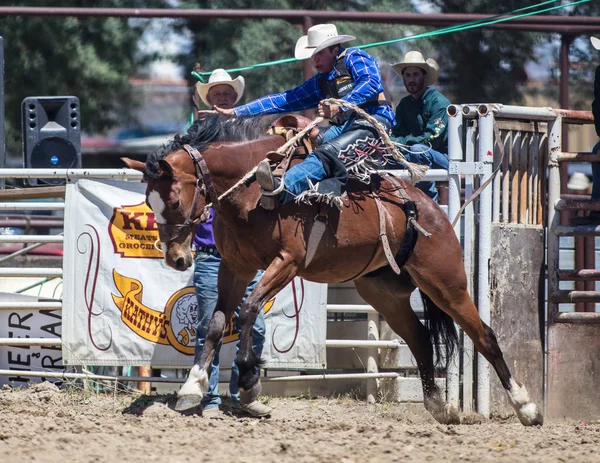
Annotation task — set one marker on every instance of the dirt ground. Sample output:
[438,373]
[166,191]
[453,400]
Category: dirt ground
[43,423]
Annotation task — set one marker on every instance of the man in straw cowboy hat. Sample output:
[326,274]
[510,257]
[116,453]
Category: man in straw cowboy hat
[421,117]
[223,91]
[593,218]
[350,74]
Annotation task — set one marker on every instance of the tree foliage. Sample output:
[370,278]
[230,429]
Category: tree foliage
[485,65]
[225,43]
[91,58]
[583,60]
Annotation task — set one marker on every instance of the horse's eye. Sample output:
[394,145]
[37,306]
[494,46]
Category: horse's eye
[175,206]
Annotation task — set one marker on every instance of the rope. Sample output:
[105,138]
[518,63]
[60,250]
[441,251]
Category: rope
[281,149]
[417,171]
[495,19]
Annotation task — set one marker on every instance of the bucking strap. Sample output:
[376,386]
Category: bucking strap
[381,211]
[316,233]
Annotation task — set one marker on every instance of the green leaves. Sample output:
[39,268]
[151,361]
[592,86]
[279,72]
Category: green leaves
[237,43]
[91,58]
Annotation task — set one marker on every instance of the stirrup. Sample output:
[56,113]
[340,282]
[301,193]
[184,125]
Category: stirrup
[269,189]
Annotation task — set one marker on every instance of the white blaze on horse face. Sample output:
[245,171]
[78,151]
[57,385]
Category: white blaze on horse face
[158,206]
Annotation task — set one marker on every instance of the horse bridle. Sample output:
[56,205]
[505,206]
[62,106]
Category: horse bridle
[172,232]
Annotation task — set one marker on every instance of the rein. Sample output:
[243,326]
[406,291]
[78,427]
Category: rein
[202,173]
[171,232]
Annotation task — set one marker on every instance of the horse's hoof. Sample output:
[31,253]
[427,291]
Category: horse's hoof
[257,409]
[187,402]
[449,415]
[446,414]
[247,397]
[529,415]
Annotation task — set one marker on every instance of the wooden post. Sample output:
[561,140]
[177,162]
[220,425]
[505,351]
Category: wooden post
[144,387]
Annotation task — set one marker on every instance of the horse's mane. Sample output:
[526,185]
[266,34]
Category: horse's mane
[205,131]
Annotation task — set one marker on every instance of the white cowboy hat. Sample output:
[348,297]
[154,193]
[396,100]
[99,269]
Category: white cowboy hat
[579,182]
[595,42]
[318,38]
[415,58]
[219,77]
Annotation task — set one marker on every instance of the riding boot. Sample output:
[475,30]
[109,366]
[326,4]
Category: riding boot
[270,186]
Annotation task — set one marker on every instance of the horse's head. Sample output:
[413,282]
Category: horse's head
[180,185]
[177,198]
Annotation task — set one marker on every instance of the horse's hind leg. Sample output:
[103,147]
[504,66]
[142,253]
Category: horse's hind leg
[390,294]
[437,269]
[231,288]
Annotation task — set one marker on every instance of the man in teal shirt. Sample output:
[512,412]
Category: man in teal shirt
[421,118]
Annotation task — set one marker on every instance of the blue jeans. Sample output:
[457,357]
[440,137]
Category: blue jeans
[297,178]
[311,169]
[596,175]
[424,155]
[206,269]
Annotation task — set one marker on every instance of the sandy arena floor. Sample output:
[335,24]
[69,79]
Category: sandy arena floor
[43,423]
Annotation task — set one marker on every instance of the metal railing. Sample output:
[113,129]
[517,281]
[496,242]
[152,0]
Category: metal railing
[372,344]
[520,193]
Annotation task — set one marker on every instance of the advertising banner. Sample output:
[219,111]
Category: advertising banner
[23,324]
[123,306]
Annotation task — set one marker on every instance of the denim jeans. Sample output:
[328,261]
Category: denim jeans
[424,155]
[311,169]
[206,269]
[596,175]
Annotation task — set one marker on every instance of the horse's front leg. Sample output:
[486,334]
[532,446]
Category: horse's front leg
[281,271]
[231,288]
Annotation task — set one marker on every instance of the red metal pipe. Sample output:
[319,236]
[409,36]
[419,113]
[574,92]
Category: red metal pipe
[573,116]
[564,104]
[590,24]
[585,274]
[307,64]
[589,262]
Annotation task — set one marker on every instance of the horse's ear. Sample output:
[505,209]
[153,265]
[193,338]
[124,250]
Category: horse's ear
[165,168]
[135,165]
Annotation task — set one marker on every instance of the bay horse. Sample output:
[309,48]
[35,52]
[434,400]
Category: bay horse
[250,238]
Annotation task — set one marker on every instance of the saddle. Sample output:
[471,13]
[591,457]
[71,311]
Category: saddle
[288,126]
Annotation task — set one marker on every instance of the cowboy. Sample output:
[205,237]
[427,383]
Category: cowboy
[593,218]
[421,116]
[221,90]
[349,74]
[224,91]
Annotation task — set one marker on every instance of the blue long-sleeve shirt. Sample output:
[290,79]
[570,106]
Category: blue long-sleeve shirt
[365,73]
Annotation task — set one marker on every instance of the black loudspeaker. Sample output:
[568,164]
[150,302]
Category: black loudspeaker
[51,135]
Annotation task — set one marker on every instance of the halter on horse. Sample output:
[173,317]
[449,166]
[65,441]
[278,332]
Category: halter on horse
[250,238]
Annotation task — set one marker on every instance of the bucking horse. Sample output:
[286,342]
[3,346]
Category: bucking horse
[388,237]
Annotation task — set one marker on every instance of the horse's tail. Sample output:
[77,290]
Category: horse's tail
[442,332]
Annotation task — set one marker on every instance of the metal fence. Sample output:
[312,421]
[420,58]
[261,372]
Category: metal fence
[525,191]
[371,343]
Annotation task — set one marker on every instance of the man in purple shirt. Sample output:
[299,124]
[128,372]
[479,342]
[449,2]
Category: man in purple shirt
[223,90]
[349,74]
